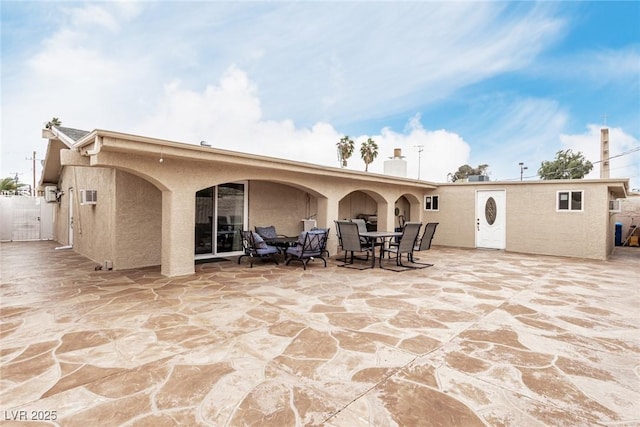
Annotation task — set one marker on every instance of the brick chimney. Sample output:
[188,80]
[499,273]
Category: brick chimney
[604,153]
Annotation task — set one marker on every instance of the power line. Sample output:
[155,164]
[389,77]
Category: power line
[624,153]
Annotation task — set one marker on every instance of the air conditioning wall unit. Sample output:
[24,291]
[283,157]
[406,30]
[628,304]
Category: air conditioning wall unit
[478,178]
[615,205]
[88,197]
[50,193]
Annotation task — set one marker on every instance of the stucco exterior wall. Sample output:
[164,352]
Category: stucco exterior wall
[93,225]
[533,225]
[138,231]
[280,205]
[456,215]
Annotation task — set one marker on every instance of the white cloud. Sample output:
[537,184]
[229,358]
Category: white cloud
[228,115]
[304,73]
[442,151]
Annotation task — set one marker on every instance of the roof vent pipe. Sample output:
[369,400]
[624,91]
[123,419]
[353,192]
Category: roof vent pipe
[397,153]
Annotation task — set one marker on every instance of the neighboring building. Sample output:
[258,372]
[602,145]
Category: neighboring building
[136,201]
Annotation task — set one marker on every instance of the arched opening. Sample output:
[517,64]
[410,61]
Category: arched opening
[406,208]
[222,211]
[402,212]
[360,204]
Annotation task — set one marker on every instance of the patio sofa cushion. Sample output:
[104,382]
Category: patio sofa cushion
[259,242]
[267,232]
[269,250]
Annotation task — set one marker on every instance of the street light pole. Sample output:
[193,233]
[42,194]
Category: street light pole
[522,169]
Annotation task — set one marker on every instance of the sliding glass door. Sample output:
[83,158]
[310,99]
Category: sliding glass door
[221,215]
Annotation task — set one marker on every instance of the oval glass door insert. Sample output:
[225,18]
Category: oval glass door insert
[490,210]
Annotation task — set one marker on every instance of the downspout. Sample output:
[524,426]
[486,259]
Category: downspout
[97,145]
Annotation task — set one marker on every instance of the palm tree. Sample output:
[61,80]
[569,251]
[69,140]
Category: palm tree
[53,122]
[368,151]
[345,150]
[10,184]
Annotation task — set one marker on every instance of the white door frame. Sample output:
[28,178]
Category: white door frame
[491,219]
[70,224]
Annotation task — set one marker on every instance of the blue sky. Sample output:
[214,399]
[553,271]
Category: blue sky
[471,82]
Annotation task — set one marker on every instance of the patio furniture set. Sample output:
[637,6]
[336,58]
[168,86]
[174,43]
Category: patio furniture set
[353,237]
[265,243]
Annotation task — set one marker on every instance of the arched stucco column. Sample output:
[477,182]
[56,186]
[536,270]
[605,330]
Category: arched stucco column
[178,235]
[327,213]
[386,216]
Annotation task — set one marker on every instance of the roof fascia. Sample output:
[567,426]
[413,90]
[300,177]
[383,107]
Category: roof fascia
[116,141]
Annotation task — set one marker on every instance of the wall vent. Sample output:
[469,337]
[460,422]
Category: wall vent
[88,197]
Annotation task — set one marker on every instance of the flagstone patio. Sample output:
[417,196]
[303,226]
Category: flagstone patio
[482,338]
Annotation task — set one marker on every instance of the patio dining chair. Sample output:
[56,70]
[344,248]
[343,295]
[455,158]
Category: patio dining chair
[362,228]
[256,248]
[311,245]
[406,246]
[425,242]
[337,224]
[351,244]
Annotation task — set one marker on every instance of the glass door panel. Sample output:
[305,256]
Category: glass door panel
[204,221]
[230,214]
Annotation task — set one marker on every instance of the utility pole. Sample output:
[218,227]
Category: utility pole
[420,150]
[33,160]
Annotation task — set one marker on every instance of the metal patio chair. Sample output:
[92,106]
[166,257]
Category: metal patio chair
[425,242]
[311,245]
[256,248]
[352,243]
[406,246]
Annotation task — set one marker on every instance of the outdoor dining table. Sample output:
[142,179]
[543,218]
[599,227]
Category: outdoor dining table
[282,243]
[374,236]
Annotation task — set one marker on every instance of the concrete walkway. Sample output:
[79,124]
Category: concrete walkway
[481,338]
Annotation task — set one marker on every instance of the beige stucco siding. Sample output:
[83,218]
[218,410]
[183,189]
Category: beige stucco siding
[138,231]
[533,224]
[456,216]
[279,205]
[536,226]
[93,225]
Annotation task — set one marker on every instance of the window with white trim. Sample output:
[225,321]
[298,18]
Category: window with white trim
[569,201]
[431,203]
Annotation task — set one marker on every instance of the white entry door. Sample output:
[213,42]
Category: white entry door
[491,219]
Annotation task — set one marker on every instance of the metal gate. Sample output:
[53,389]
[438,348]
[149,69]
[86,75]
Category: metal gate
[25,218]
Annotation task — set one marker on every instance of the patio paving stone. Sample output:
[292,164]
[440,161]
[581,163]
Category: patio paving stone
[484,338]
